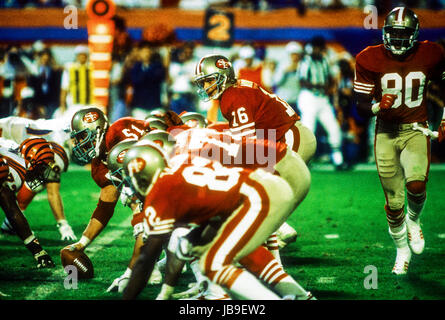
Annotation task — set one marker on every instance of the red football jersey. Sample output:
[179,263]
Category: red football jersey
[248,107]
[248,153]
[123,129]
[192,193]
[378,73]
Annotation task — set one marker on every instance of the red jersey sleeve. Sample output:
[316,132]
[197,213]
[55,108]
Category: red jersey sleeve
[364,79]
[98,172]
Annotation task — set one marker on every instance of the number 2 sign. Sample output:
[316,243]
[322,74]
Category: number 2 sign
[218,28]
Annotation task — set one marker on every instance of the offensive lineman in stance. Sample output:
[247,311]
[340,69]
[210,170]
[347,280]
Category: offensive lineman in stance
[396,74]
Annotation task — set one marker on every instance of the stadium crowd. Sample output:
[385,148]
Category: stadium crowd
[146,75]
[300,5]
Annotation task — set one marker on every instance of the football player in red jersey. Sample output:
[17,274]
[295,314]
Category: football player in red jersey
[93,139]
[253,111]
[249,205]
[395,74]
[13,175]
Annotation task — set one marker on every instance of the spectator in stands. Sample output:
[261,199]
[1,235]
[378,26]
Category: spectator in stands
[285,79]
[146,78]
[181,69]
[46,83]
[117,90]
[249,67]
[314,101]
[77,85]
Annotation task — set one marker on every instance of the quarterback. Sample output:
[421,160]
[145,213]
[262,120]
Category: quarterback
[253,112]
[395,74]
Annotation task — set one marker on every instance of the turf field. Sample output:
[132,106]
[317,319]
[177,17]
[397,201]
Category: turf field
[341,224]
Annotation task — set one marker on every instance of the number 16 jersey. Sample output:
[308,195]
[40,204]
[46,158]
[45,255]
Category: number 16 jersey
[378,72]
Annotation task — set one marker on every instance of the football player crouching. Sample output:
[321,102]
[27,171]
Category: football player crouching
[28,148]
[212,199]
[93,137]
[128,198]
[13,175]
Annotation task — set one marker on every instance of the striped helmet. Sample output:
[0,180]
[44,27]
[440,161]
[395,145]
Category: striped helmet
[217,68]
[400,31]
[39,158]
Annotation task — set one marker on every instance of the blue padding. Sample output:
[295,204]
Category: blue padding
[352,38]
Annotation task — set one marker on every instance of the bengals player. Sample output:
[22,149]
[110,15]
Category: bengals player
[395,74]
[13,173]
[249,204]
[52,183]
[93,138]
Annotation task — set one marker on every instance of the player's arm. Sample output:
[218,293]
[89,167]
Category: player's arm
[101,215]
[144,266]
[18,221]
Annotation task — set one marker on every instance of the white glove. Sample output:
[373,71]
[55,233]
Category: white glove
[65,231]
[119,284]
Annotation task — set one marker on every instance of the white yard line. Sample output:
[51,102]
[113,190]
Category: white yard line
[50,286]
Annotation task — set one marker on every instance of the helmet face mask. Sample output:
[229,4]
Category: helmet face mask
[400,31]
[37,175]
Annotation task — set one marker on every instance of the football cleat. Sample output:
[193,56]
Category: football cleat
[286,235]
[415,236]
[402,261]
[209,291]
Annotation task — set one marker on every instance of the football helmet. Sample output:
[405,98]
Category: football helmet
[162,138]
[156,123]
[143,164]
[115,162]
[400,31]
[88,128]
[194,120]
[39,160]
[217,69]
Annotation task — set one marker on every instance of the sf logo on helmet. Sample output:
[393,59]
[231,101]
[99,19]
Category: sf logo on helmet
[121,155]
[223,64]
[91,117]
[136,165]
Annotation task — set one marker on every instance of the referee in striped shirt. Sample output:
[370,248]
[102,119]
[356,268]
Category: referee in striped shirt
[316,81]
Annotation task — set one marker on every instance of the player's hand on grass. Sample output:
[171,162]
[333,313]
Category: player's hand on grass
[119,284]
[66,232]
[43,260]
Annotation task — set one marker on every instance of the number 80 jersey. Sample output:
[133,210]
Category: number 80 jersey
[378,72]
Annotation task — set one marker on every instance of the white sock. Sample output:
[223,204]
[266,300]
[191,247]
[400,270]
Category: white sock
[415,209]
[337,157]
[194,265]
[399,235]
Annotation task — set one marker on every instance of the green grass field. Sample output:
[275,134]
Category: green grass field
[347,204]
